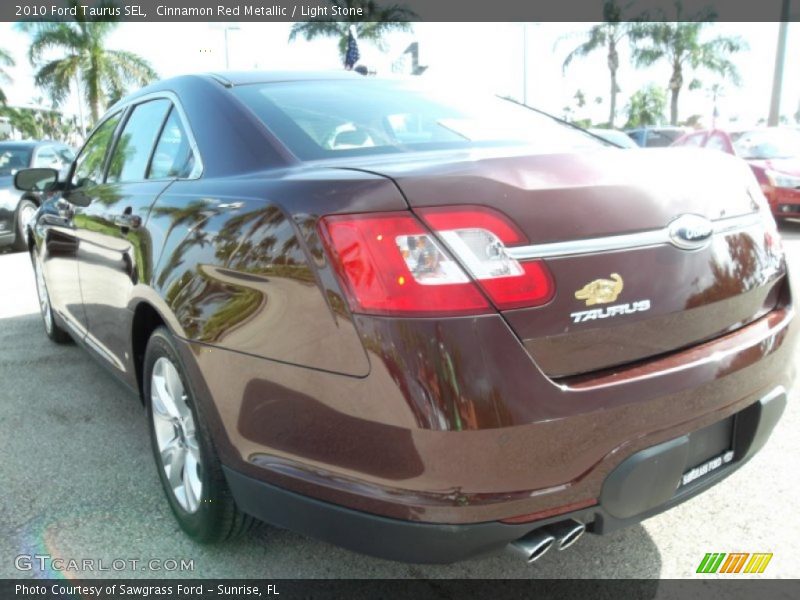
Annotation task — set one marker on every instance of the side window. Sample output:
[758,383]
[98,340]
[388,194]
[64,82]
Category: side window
[135,145]
[717,142]
[45,157]
[695,140]
[656,139]
[66,154]
[89,166]
[173,156]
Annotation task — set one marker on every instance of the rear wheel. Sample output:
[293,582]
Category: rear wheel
[187,462]
[25,212]
[51,328]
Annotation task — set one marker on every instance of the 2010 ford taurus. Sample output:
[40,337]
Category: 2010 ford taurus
[423,325]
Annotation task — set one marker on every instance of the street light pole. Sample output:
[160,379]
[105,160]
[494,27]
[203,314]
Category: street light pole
[777,78]
[525,64]
[227,58]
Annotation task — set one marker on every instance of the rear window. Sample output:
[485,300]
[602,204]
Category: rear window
[323,119]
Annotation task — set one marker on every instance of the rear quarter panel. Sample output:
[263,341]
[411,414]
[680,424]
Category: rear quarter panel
[242,267]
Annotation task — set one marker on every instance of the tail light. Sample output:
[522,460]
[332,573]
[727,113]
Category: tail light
[479,237]
[390,263]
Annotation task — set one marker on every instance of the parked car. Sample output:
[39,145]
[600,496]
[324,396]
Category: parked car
[655,137]
[773,154]
[15,209]
[614,136]
[419,324]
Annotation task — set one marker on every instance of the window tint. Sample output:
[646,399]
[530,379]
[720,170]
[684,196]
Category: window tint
[89,166]
[135,144]
[46,157]
[173,156]
[320,119]
[658,139]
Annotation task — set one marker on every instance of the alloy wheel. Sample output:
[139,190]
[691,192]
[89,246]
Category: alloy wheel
[26,213]
[174,426]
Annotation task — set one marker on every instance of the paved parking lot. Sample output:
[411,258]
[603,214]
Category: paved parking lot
[78,482]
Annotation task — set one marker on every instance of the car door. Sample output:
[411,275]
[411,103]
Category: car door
[61,241]
[115,246]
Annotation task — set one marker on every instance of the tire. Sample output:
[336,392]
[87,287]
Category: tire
[51,328]
[185,457]
[23,210]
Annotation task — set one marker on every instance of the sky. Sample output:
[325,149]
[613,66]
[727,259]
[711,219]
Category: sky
[486,55]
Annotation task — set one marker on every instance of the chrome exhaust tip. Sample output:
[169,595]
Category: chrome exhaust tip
[566,532]
[532,546]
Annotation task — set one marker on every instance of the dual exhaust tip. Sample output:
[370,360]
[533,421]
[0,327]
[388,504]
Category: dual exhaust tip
[536,544]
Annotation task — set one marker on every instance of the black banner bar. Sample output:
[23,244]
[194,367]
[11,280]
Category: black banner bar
[148,11]
[404,589]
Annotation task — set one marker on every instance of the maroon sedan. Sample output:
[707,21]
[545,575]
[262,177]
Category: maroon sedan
[772,153]
[420,325]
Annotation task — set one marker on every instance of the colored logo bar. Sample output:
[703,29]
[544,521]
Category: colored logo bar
[734,562]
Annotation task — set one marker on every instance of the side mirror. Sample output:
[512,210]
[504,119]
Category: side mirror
[35,180]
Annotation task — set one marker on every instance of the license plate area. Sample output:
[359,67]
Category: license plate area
[710,448]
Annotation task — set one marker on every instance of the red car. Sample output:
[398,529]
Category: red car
[418,324]
[773,154]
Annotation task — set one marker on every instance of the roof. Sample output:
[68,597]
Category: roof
[234,78]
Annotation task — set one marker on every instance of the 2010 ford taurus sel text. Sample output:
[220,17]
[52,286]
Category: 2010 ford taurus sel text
[421,325]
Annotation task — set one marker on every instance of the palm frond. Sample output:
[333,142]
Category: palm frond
[54,36]
[56,77]
[131,67]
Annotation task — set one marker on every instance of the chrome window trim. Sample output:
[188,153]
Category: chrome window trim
[653,237]
[197,170]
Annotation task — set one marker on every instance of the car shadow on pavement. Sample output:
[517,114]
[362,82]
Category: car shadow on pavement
[629,553]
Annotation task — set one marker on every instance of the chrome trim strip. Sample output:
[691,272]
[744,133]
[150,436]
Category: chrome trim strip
[654,237]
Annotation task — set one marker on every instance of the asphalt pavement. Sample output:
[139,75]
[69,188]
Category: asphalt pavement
[77,481]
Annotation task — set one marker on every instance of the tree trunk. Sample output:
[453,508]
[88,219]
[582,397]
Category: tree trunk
[673,107]
[613,110]
[613,65]
[675,85]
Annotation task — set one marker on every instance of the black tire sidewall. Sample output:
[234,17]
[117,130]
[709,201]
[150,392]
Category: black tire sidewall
[56,333]
[20,241]
[200,525]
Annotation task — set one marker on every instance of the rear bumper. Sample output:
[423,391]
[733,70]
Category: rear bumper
[784,202]
[646,483]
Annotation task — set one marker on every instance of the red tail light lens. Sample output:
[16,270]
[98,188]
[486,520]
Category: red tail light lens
[389,263]
[479,236]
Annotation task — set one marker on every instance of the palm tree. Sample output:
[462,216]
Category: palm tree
[372,25]
[6,60]
[646,107]
[679,43]
[607,35]
[83,58]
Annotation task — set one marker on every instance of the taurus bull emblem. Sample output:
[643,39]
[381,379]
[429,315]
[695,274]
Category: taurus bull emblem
[601,291]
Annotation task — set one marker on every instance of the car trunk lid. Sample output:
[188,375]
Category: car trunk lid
[610,225]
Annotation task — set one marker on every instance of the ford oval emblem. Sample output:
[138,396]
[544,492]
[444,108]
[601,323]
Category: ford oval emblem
[690,232]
